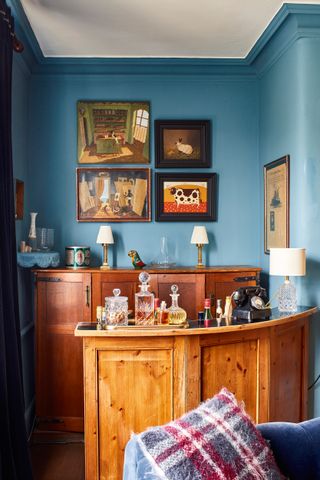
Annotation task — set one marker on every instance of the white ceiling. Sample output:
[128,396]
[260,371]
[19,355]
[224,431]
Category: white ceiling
[150,28]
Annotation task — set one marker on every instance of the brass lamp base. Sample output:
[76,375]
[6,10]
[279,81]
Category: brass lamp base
[200,264]
[105,265]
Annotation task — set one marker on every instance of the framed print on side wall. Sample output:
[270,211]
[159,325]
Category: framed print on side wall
[183,197]
[113,132]
[182,143]
[276,204]
[113,195]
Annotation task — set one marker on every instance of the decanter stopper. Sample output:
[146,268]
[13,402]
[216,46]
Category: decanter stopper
[116,292]
[144,278]
[174,290]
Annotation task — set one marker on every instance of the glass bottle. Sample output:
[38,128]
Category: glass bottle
[163,314]
[156,310]
[219,311]
[144,302]
[207,309]
[177,315]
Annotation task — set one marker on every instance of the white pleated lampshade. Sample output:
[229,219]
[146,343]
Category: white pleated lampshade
[199,235]
[105,235]
[288,262]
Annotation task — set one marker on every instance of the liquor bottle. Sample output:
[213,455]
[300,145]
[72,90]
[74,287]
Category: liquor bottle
[144,302]
[156,310]
[228,308]
[163,314]
[177,316]
[219,310]
[207,309]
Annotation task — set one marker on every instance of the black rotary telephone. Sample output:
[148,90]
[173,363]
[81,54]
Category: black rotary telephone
[251,303]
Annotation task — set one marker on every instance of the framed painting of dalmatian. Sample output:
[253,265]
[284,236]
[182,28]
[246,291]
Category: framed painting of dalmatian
[183,197]
[182,143]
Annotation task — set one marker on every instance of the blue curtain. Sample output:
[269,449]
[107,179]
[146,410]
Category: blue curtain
[14,456]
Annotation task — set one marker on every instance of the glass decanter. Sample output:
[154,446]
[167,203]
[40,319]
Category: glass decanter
[177,315]
[144,302]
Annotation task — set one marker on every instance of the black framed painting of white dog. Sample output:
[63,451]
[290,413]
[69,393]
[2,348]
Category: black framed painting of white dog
[182,143]
[183,197]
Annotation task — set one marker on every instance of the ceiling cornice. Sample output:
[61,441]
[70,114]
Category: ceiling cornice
[292,21]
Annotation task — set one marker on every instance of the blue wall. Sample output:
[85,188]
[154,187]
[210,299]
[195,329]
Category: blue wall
[290,124]
[20,122]
[232,107]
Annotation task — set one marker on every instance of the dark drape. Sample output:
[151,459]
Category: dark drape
[14,457]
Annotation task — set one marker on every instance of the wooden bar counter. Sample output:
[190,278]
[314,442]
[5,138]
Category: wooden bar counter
[135,378]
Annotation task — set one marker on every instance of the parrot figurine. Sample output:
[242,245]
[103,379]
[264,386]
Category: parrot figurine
[136,260]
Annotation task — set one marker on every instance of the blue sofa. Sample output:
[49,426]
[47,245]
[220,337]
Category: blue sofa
[296,448]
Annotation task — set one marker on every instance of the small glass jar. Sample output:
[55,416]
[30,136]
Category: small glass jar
[116,309]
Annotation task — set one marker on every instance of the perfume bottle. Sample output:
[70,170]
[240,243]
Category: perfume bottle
[144,302]
[163,314]
[177,315]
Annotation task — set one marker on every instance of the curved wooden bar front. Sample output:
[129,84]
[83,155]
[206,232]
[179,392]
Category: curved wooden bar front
[137,378]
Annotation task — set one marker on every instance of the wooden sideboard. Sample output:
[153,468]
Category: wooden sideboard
[65,297]
[135,379]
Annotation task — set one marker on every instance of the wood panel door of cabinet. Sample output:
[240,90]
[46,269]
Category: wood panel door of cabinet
[191,290]
[103,284]
[62,300]
[220,285]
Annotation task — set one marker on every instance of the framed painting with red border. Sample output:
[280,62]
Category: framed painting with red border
[113,195]
[183,197]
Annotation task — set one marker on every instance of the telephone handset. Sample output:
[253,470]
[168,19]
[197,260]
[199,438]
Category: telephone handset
[251,303]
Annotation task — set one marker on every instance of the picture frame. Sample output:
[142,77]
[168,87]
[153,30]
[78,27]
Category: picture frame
[182,144]
[113,132]
[276,204]
[185,197]
[113,194]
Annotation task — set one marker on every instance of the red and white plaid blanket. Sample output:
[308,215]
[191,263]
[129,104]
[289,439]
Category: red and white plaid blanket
[216,441]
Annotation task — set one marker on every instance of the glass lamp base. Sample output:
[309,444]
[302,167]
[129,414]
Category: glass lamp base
[287,297]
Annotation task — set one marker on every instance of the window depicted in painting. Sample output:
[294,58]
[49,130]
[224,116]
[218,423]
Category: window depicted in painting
[183,197]
[113,132]
[113,195]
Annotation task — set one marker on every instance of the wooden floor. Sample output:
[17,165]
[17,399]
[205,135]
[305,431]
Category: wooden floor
[57,456]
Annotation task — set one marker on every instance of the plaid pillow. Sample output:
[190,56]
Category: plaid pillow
[215,441]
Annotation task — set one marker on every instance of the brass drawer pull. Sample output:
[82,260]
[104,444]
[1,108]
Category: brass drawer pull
[87,296]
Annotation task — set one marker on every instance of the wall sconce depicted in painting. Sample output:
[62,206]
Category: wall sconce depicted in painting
[182,143]
[113,195]
[113,132]
[183,197]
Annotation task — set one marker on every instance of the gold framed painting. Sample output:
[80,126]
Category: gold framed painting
[113,132]
[276,204]
[113,195]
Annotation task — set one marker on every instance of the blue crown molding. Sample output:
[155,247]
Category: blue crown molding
[292,21]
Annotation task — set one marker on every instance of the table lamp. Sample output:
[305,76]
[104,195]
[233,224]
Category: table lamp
[105,237]
[287,262]
[200,238]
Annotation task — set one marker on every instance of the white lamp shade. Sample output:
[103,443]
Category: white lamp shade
[199,235]
[105,235]
[288,262]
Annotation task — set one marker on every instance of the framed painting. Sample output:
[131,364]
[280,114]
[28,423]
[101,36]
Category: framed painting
[182,143]
[183,197]
[113,132]
[113,195]
[276,204]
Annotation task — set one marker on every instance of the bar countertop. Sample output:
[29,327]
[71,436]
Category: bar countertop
[194,327]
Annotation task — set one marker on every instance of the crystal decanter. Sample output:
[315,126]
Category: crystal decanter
[144,302]
[177,316]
